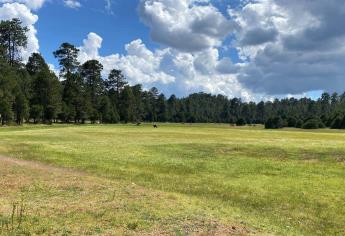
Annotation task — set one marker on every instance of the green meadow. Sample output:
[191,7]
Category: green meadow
[175,180]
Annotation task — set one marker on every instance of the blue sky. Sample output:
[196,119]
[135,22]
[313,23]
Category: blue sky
[117,26]
[253,49]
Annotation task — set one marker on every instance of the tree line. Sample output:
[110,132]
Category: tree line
[31,92]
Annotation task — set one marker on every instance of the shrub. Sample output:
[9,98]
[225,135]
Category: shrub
[338,123]
[274,123]
[313,124]
[241,122]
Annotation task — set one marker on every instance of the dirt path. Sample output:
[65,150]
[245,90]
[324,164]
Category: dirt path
[38,165]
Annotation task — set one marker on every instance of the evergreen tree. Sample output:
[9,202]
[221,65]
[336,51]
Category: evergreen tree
[21,108]
[152,97]
[36,64]
[12,38]
[138,108]
[72,98]
[35,93]
[173,109]
[127,105]
[7,86]
[36,113]
[116,82]
[94,87]
[13,79]
[67,55]
[291,122]
[162,114]
[108,112]
[45,88]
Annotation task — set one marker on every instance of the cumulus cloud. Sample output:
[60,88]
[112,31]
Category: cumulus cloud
[284,46]
[90,47]
[9,11]
[139,64]
[291,46]
[72,4]
[171,70]
[187,25]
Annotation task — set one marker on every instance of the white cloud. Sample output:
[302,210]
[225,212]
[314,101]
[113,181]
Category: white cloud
[72,4]
[90,47]
[287,46]
[139,64]
[169,69]
[187,25]
[264,21]
[291,46]
[108,6]
[32,4]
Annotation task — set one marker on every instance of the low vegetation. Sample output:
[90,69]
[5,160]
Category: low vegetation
[176,179]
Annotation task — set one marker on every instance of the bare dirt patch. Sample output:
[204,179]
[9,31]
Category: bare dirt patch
[37,165]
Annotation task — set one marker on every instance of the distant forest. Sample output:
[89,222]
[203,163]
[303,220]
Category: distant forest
[31,92]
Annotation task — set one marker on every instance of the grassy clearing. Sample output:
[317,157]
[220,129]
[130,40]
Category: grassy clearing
[207,177]
[63,202]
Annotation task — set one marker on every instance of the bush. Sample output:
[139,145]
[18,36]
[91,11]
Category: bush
[241,122]
[313,124]
[338,123]
[274,123]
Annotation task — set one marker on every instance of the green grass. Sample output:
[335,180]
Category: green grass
[288,182]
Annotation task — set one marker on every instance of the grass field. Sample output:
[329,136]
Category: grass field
[175,180]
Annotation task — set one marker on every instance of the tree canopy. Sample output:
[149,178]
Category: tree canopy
[31,92]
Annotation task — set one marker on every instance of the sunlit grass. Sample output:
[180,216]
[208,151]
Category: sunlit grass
[285,182]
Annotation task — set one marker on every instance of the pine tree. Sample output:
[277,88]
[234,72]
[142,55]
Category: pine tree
[36,64]
[12,38]
[172,109]
[7,86]
[21,108]
[138,108]
[90,72]
[162,114]
[67,55]
[72,98]
[127,105]
[108,112]
[116,82]
[45,88]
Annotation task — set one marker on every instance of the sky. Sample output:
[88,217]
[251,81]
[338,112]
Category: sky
[253,49]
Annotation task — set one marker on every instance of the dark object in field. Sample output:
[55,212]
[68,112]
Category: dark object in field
[138,124]
[155,126]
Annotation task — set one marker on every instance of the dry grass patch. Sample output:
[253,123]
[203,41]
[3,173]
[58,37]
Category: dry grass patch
[59,201]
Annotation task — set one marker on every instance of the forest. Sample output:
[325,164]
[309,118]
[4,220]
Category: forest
[31,93]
